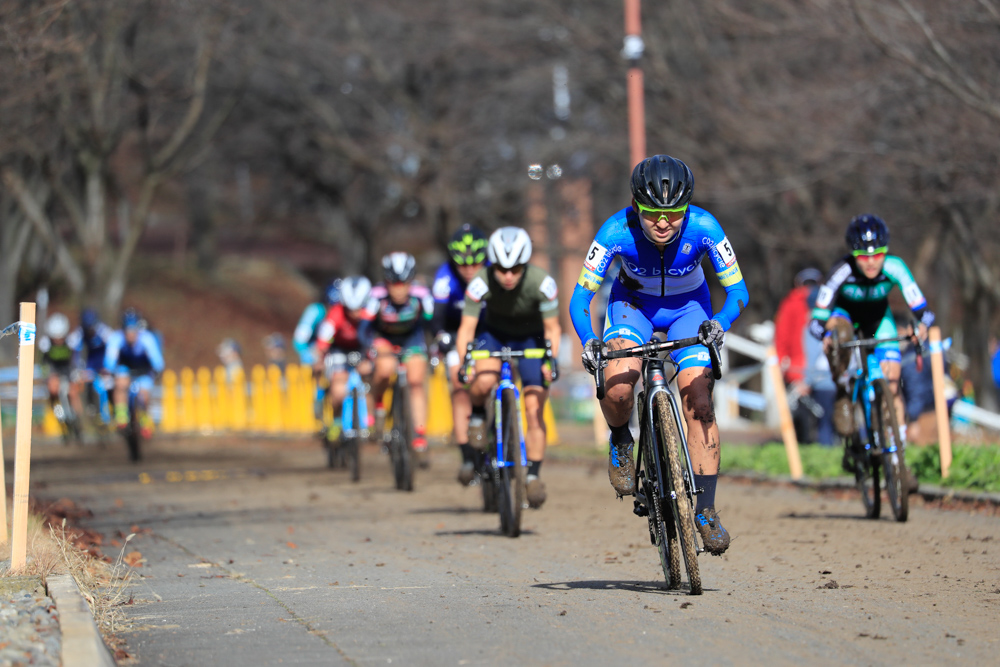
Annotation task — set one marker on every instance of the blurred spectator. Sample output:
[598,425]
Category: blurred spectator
[274,350]
[995,356]
[231,356]
[804,373]
[917,389]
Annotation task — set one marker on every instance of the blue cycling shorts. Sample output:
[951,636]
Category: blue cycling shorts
[886,328]
[530,370]
[636,316]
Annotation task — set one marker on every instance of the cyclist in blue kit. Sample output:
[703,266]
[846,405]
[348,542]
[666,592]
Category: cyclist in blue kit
[661,240]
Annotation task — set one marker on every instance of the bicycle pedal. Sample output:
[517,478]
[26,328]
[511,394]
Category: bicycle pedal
[639,509]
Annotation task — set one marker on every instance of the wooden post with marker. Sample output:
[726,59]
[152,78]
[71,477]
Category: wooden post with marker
[940,404]
[22,435]
[784,413]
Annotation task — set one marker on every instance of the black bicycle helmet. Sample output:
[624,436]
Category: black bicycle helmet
[399,267]
[467,246]
[662,182]
[867,232]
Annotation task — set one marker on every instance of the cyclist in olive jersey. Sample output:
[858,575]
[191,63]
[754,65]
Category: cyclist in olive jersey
[521,312]
[856,295]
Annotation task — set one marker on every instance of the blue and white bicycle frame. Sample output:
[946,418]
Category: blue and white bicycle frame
[867,374]
[354,382]
[507,382]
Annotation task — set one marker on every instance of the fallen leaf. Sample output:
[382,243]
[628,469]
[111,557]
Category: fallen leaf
[292,545]
[119,502]
[134,559]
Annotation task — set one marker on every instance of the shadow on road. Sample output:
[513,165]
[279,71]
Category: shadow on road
[492,532]
[448,510]
[821,515]
[656,586]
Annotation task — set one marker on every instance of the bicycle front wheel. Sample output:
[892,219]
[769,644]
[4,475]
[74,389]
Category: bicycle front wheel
[887,427]
[353,443]
[510,493]
[400,445]
[662,533]
[683,510]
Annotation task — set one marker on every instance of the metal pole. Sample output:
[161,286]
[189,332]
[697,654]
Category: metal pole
[632,52]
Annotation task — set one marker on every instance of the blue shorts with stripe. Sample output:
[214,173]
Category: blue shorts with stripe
[636,316]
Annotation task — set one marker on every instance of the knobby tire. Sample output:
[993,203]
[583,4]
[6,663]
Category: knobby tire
[353,443]
[400,446]
[866,466]
[681,504]
[133,437]
[511,489]
[662,533]
[886,425]
[488,475]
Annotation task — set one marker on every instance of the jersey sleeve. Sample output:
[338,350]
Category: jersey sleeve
[548,304]
[595,267]
[727,270]
[827,293]
[899,273]
[153,351]
[325,333]
[112,351]
[476,294]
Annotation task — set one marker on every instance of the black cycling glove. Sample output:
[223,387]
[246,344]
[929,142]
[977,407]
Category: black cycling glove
[710,332]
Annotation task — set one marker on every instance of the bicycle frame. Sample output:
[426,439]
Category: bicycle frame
[354,381]
[868,373]
[506,382]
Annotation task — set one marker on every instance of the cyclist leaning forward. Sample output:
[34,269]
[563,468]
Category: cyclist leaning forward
[336,336]
[522,312]
[134,356]
[398,315]
[466,255]
[856,295]
[661,239]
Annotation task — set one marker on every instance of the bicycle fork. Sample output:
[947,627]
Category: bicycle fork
[506,382]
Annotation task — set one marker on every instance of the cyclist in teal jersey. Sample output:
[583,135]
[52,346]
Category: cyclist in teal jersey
[856,295]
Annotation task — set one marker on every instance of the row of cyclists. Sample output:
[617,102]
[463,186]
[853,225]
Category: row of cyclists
[88,361]
[659,240]
[486,293]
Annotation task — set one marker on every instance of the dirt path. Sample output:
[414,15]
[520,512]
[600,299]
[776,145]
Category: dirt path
[256,555]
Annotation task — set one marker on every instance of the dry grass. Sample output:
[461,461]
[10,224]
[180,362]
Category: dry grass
[50,550]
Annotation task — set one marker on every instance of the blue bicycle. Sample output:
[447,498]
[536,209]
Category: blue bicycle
[876,441]
[503,476]
[346,451]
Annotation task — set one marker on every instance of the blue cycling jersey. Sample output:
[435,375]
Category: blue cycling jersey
[651,280]
[449,296]
[305,331]
[90,345]
[139,358]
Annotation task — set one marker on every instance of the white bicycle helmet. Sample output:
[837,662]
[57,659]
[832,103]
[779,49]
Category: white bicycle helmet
[57,326]
[399,267]
[509,247]
[354,292]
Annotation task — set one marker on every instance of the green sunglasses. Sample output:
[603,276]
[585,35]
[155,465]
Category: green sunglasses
[661,211]
[864,252]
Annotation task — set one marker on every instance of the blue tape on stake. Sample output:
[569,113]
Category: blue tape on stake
[936,347]
[26,333]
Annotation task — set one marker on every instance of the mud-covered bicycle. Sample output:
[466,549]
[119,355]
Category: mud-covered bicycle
[665,491]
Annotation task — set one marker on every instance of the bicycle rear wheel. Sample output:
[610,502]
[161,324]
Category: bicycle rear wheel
[511,491]
[886,426]
[866,475]
[662,533]
[683,510]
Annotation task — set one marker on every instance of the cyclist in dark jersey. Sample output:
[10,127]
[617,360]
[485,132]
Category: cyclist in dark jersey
[337,335]
[398,316]
[856,296]
[89,342]
[466,255]
[521,312]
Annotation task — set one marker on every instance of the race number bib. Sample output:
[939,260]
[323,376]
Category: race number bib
[725,250]
[477,289]
[548,288]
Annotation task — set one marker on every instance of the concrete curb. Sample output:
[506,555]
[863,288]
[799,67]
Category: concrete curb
[928,491]
[82,645]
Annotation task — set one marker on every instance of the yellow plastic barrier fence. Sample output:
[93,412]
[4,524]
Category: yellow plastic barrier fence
[210,400]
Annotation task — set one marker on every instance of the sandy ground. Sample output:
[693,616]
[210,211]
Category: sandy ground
[255,554]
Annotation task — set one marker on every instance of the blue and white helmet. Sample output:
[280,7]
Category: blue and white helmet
[509,247]
[399,267]
[354,292]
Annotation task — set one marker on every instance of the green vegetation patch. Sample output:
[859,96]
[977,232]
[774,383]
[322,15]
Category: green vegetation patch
[973,467]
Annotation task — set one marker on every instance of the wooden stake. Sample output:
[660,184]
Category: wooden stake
[3,492]
[940,404]
[22,435]
[784,414]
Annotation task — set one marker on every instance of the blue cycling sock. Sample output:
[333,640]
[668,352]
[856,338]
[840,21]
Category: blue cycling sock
[707,498]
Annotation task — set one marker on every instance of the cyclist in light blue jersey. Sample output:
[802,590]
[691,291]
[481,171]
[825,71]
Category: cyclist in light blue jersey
[304,338]
[134,356]
[661,240]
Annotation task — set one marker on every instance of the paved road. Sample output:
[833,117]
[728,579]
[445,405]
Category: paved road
[255,555]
